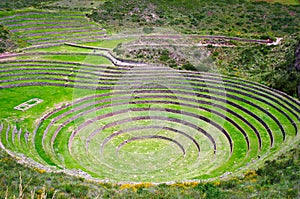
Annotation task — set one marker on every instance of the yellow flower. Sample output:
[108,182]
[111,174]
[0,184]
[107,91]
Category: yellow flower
[250,175]
[41,171]
[217,183]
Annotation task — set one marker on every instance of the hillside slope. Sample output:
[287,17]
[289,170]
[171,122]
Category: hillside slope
[8,41]
[252,19]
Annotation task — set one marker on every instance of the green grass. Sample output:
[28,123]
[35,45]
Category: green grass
[63,48]
[108,43]
[51,96]
[88,59]
[29,13]
[61,34]
[12,98]
[42,25]
[56,30]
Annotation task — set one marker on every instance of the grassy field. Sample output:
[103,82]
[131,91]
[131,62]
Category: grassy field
[108,43]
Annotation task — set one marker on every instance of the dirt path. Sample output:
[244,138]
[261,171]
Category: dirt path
[6,55]
[168,36]
[267,41]
[275,42]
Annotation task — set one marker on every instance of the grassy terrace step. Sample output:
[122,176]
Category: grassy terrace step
[86,58]
[16,20]
[74,35]
[43,24]
[54,31]
[58,64]
[93,38]
[21,21]
[40,16]
[47,33]
[49,28]
[95,57]
[55,18]
[35,13]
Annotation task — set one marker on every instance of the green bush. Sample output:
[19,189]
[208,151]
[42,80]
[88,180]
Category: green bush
[199,16]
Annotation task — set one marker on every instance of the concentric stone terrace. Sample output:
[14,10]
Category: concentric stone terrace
[50,28]
[151,123]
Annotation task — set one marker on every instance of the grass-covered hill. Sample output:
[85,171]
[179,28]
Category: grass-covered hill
[247,18]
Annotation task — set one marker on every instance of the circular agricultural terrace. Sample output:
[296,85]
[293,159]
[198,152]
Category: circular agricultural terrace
[154,123]
[142,122]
